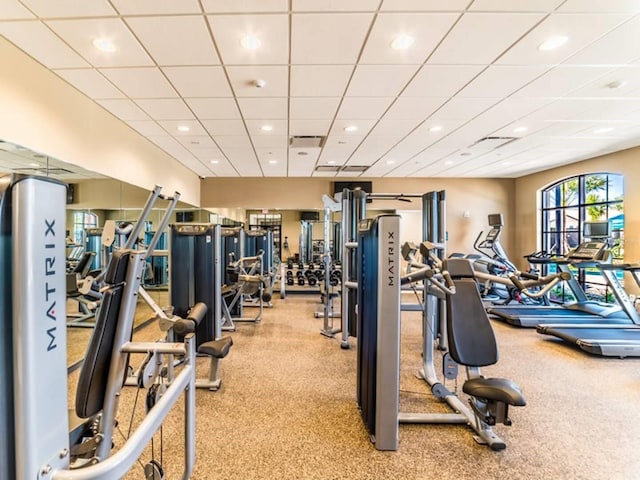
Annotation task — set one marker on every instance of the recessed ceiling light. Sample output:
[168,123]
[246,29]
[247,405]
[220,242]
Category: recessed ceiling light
[104,45]
[34,164]
[390,162]
[303,153]
[351,128]
[449,162]
[215,162]
[183,128]
[435,128]
[603,130]
[341,142]
[520,129]
[553,43]
[506,164]
[266,128]
[273,162]
[250,42]
[616,84]
[331,162]
[402,42]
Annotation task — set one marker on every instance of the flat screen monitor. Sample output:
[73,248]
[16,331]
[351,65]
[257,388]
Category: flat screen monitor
[596,230]
[495,220]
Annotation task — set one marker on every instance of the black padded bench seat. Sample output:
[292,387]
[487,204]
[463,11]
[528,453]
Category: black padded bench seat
[216,348]
[496,389]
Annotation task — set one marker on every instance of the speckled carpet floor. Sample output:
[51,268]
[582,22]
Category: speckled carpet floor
[287,410]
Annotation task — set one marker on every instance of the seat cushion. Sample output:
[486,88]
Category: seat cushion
[497,389]
[216,348]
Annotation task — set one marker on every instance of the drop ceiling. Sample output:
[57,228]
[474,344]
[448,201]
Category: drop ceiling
[181,77]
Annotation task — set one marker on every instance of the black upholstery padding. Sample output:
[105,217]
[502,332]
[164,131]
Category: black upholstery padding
[117,268]
[216,348]
[94,374]
[458,267]
[496,389]
[84,265]
[469,332]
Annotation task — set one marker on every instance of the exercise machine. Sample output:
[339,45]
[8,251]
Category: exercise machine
[470,339]
[35,438]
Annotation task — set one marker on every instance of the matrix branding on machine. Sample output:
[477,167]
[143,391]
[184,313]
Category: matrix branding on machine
[391,262]
[50,289]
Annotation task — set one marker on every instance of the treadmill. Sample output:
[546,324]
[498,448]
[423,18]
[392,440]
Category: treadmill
[582,311]
[604,339]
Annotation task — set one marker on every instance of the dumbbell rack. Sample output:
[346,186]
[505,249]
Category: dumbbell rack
[306,278]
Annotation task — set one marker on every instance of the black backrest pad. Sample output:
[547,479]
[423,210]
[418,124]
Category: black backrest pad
[469,332]
[117,268]
[458,267]
[94,374]
[84,265]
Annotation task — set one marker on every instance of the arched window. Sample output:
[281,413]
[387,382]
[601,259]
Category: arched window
[566,205]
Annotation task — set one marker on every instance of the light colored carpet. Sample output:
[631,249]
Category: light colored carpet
[287,410]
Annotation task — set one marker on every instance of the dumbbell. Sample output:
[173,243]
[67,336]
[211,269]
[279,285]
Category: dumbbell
[312,280]
[319,274]
[301,280]
[289,273]
[290,281]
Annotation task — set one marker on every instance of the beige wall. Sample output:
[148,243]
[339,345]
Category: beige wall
[527,198]
[47,115]
[477,196]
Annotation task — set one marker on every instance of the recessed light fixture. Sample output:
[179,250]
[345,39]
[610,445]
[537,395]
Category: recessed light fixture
[341,142]
[34,164]
[250,42]
[520,129]
[331,162]
[303,153]
[183,128]
[273,162]
[104,44]
[603,130]
[266,128]
[435,128]
[402,42]
[616,84]
[215,162]
[449,162]
[553,42]
[350,128]
[506,164]
[390,162]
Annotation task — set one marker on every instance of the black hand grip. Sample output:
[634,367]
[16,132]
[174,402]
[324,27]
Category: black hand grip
[197,313]
[184,326]
[530,276]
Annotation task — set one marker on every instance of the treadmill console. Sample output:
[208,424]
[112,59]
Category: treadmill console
[587,251]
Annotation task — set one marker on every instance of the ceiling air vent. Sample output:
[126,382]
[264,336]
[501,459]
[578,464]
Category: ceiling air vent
[489,143]
[306,141]
[355,168]
[40,171]
[327,168]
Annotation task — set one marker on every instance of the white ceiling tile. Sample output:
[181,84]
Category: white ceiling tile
[279,128]
[140,82]
[335,5]
[243,6]
[463,108]
[514,5]
[206,153]
[42,44]
[313,107]
[364,107]
[479,38]
[224,127]
[363,126]
[581,30]
[277,170]
[271,30]
[223,168]
[630,75]
[124,109]
[414,107]
[214,108]
[13,9]
[302,165]
[244,161]
[233,141]
[148,128]
[165,108]
[270,141]
[319,81]
[243,78]
[263,108]
[424,5]
[380,142]
[91,83]
[171,126]
[561,80]
[440,80]
[80,34]
[391,127]
[196,141]
[69,8]
[334,38]
[621,45]
[600,6]
[309,127]
[156,7]
[426,29]
[266,154]
[380,80]
[194,82]
[180,40]
[499,81]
